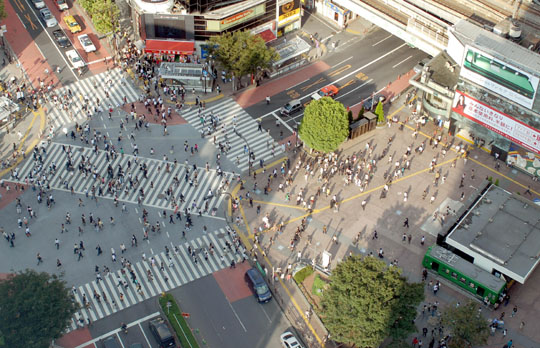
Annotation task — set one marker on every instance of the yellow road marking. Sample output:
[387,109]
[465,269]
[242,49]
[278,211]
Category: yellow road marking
[280,205]
[320,80]
[20,5]
[339,70]
[348,83]
[27,16]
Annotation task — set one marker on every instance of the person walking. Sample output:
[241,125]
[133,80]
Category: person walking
[57,243]
[406,223]
[267,100]
[39,259]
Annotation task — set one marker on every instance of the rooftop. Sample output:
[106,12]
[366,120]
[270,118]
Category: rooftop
[499,47]
[503,228]
[444,71]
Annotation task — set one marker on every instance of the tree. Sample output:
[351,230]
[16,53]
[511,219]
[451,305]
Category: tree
[104,14]
[379,111]
[468,327]
[3,13]
[241,52]
[35,307]
[368,301]
[324,125]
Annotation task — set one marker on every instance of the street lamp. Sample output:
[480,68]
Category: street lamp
[249,150]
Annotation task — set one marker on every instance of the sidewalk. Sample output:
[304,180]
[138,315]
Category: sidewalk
[384,215]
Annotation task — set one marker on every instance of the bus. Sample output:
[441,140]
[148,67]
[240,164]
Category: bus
[465,274]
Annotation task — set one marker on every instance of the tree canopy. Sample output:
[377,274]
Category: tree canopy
[104,14]
[3,13]
[325,125]
[468,327]
[379,111]
[368,301]
[241,52]
[35,307]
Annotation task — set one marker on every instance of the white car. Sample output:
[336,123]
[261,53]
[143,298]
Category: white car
[39,4]
[48,18]
[75,59]
[289,340]
[86,43]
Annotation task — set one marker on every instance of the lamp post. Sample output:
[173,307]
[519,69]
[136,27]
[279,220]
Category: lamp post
[249,150]
[295,132]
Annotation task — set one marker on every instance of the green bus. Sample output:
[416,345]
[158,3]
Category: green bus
[463,273]
[499,73]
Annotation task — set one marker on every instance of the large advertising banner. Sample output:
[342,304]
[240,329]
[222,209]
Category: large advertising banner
[499,77]
[497,121]
[288,11]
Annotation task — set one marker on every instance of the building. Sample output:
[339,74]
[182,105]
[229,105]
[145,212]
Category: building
[180,30]
[484,88]
[500,233]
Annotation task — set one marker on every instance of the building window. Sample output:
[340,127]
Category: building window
[336,16]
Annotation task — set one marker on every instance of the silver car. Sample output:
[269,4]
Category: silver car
[48,18]
[39,4]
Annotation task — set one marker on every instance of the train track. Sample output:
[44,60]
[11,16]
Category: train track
[505,13]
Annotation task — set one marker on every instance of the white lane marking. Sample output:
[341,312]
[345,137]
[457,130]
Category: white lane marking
[280,120]
[146,338]
[404,60]
[378,42]
[237,317]
[266,314]
[136,322]
[343,61]
[120,339]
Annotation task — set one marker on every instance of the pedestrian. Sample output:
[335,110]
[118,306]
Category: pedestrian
[57,243]
[267,100]
[521,325]
[39,259]
[435,288]
[514,311]
[409,238]
[406,223]
[423,240]
[99,251]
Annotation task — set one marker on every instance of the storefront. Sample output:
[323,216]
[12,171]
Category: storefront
[289,16]
[170,50]
[338,15]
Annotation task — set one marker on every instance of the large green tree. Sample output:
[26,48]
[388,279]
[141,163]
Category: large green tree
[368,301]
[468,327]
[35,308]
[241,52]
[104,14]
[325,125]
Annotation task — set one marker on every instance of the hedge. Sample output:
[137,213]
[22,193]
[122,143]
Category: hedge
[178,322]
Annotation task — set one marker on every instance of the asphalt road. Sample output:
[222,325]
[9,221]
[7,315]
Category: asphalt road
[359,68]
[42,37]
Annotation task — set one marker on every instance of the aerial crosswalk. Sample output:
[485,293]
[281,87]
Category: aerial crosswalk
[117,290]
[110,87]
[162,176]
[260,143]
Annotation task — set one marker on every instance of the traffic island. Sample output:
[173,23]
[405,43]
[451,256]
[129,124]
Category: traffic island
[178,322]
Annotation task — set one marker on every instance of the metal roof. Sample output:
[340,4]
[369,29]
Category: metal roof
[497,46]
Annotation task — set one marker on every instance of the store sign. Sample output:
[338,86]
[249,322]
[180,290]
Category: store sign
[499,77]
[235,19]
[288,11]
[497,121]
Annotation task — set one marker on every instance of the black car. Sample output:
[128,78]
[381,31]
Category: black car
[371,102]
[61,38]
[162,333]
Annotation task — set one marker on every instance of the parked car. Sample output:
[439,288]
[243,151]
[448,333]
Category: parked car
[258,285]
[39,4]
[86,43]
[162,333]
[418,67]
[61,4]
[75,59]
[48,18]
[72,24]
[291,107]
[289,340]
[61,38]
[371,103]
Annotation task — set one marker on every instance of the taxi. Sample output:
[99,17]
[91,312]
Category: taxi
[72,24]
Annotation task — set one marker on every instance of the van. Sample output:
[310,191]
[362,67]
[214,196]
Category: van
[110,342]
[291,107]
[162,333]
[257,284]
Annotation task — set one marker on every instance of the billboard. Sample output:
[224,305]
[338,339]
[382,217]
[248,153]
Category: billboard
[237,18]
[496,121]
[499,77]
[288,11]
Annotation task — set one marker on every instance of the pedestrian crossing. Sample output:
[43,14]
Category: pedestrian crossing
[110,87]
[195,192]
[117,290]
[260,142]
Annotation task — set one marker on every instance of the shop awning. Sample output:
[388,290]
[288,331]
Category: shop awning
[267,35]
[170,47]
